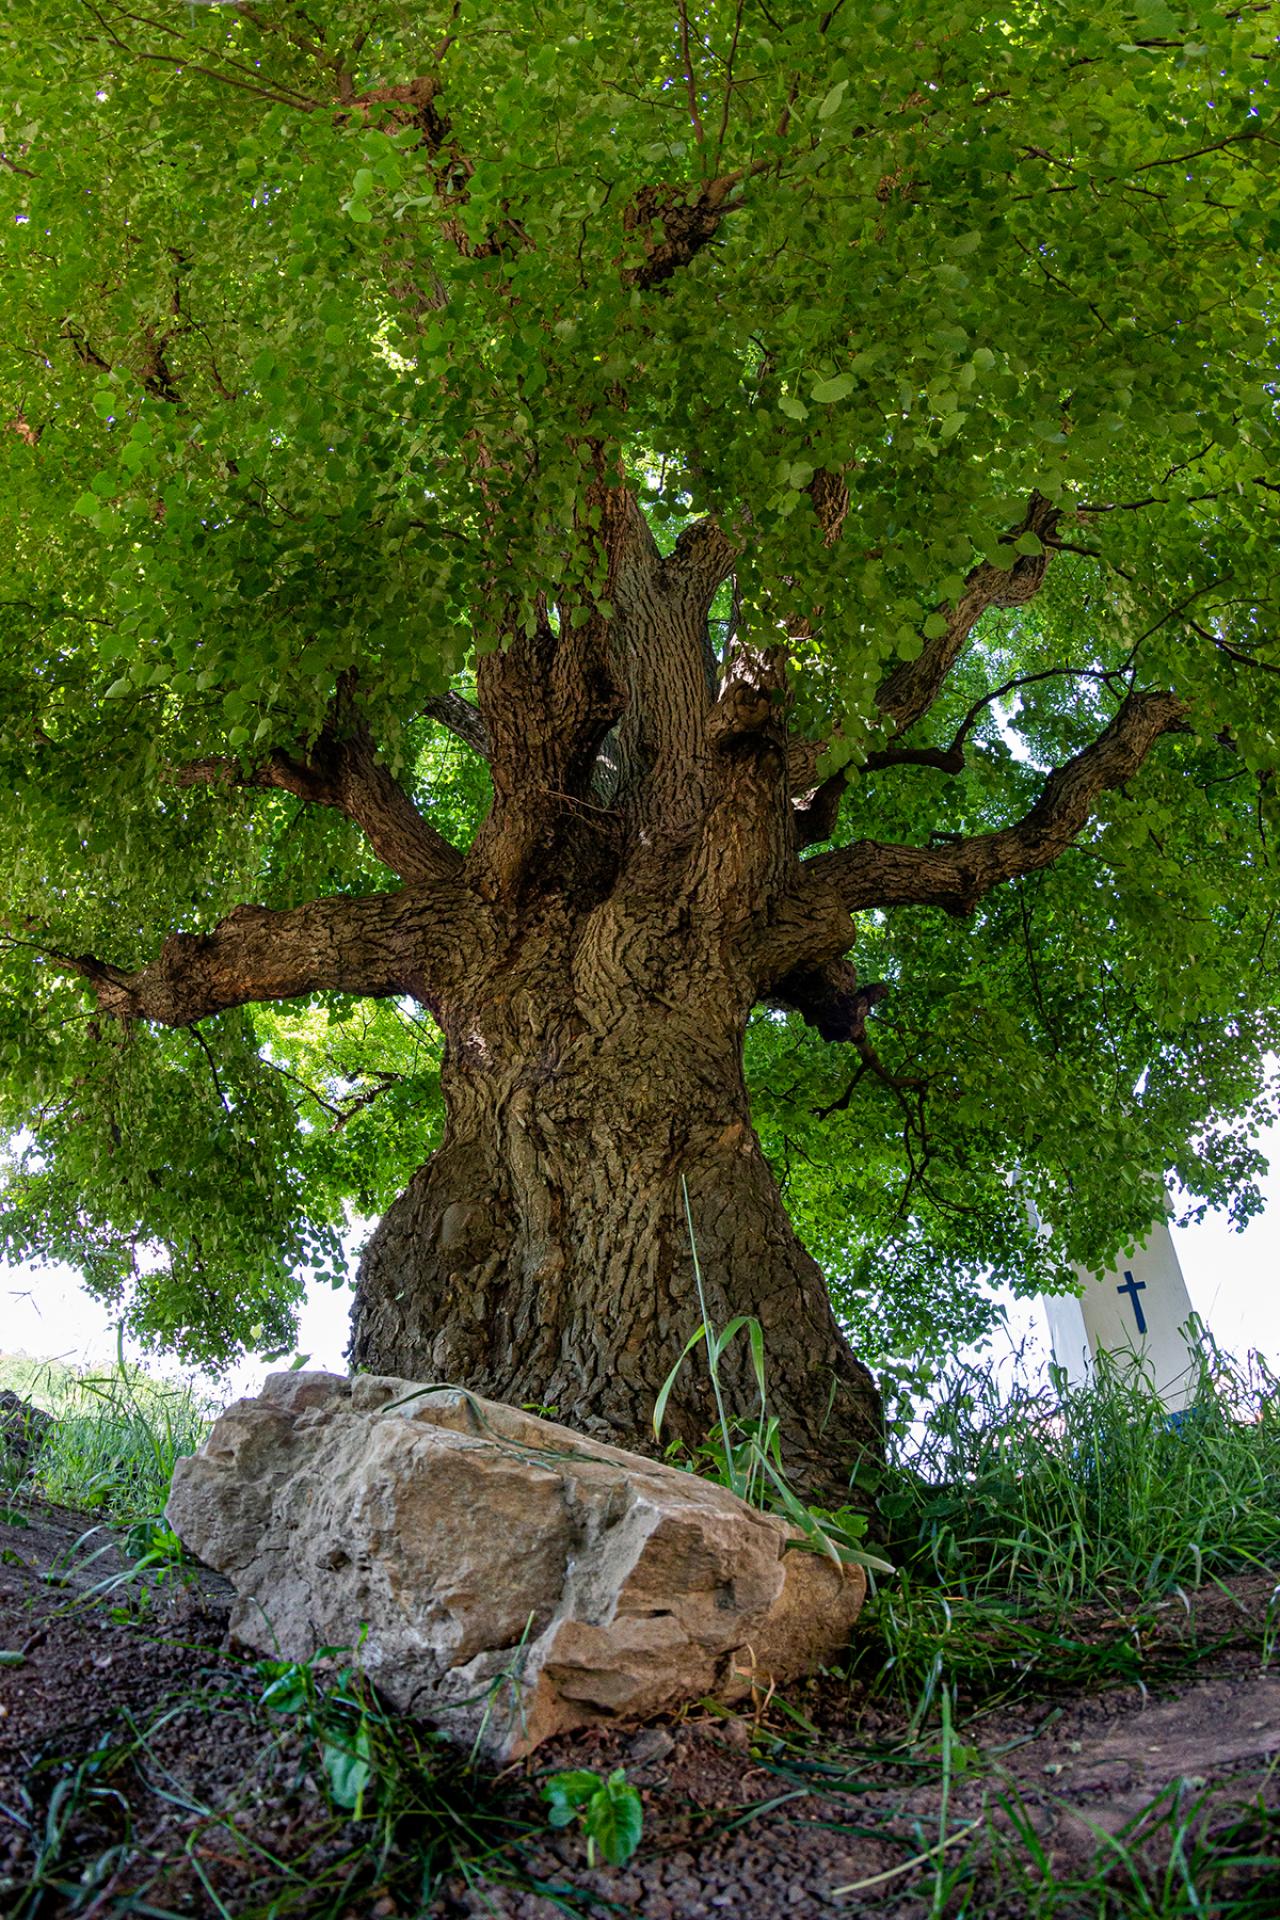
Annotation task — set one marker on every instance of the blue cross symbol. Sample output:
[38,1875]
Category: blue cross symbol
[1133,1288]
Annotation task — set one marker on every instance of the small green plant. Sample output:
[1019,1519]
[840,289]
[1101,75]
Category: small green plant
[337,1719]
[608,1811]
[153,1545]
[745,1453]
[155,1557]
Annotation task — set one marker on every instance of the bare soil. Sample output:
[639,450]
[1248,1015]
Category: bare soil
[139,1774]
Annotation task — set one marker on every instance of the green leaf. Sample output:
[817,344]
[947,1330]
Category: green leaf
[289,1691]
[795,1509]
[664,1392]
[836,388]
[722,1339]
[615,1819]
[348,1767]
[570,1791]
[831,101]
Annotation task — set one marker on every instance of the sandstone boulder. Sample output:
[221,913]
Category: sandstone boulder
[502,1575]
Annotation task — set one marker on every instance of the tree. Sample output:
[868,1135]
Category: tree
[536,534]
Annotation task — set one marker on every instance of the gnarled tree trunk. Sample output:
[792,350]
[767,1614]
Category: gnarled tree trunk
[637,887]
[543,1253]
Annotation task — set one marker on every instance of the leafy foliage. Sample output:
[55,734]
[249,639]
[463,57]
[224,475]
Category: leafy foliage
[336,1719]
[299,310]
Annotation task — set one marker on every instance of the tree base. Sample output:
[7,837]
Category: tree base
[456,1286]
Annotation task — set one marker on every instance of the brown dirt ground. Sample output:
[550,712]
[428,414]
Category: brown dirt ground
[139,1775]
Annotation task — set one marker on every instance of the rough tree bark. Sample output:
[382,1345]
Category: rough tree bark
[543,1253]
[592,960]
[594,1049]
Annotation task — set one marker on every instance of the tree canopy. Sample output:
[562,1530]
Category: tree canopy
[938,341]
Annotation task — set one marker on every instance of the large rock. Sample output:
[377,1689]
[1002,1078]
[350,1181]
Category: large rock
[499,1573]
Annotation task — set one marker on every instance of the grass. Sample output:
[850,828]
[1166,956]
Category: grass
[419,1816]
[1191,1855]
[1040,1538]
[1008,1514]
[1074,1491]
[116,1435]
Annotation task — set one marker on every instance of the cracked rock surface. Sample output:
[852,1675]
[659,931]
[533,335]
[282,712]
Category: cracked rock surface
[497,1572]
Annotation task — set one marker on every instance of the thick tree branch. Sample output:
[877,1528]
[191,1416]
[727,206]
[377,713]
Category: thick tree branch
[674,223]
[547,700]
[745,850]
[661,659]
[870,873]
[703,557]
[342,770]
[906,695]
[464,721]
[597,718]
[375,944]
[817,812]
[749,850]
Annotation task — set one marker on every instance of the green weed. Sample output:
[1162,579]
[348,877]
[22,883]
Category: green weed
[1195,1853]
[337,1719]
[608,1810]
[1069,1493]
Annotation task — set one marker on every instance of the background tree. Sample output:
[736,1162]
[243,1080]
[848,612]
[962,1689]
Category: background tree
[533,530]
